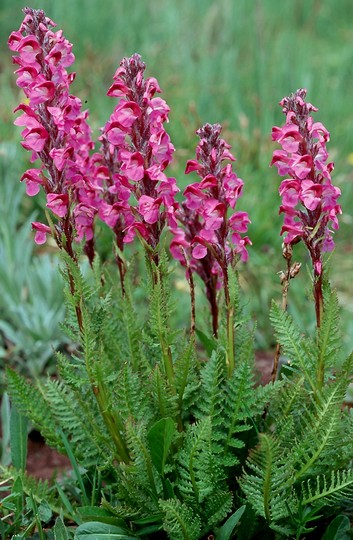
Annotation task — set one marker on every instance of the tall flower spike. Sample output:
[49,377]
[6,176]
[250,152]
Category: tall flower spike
[137,197]
[309,200]
[209,240]
[55,128]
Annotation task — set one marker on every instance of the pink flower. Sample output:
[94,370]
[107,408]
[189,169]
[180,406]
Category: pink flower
[58,204]
[132,230]
[41,92]
[289,191]
[194,196]
[239,222]
[199,251]
[126,113]
[310,194]
[35,138]
[149,208]
[84,218]
[41,232]
[213,213]
[33,179]
[288,136]
[282,161]
[302,165]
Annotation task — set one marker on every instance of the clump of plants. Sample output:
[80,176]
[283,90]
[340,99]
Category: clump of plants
[168,434]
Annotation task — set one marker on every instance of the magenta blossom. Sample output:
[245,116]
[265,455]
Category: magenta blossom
[208,239]
[137,198]
[309,200]
[55,130]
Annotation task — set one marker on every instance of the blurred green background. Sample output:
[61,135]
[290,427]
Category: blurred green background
[226,61]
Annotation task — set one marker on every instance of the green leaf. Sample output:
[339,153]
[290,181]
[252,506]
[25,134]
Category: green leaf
[45,512]
[18,439]
[226,531]
[60,532]
[338,529]
[75,466]
[209,343]
[101,531]
[160,437]
[5,413]
[98,514]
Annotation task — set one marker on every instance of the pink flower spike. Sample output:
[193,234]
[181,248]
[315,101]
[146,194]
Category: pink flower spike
[58,204]
[41,232]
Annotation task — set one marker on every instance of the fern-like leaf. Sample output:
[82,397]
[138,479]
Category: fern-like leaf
[301,352]
[199,474]
[31,403]
[267,481]
[180,521]
[329,335]
[213,376]
[328,491]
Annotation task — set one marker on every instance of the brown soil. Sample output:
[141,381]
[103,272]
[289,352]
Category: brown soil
[44,462]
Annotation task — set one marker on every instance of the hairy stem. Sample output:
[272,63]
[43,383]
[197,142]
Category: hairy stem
[319,306]
[111,422]
[285,287]
[230,326]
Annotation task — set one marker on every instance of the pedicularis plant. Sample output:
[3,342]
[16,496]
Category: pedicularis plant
[169,436]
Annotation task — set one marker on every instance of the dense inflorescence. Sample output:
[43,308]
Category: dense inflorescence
[208,239]
[137,196]
[55,128]
[309,200]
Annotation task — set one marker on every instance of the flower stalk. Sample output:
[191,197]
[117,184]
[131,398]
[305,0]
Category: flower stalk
[309,199]
[207,238]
